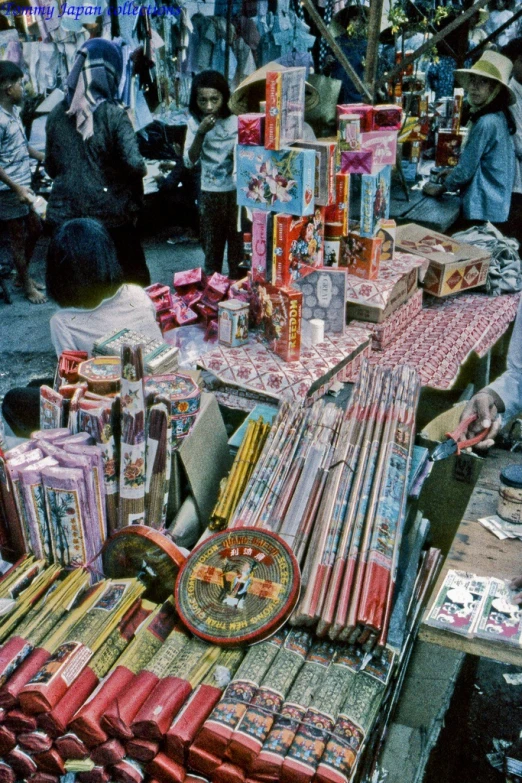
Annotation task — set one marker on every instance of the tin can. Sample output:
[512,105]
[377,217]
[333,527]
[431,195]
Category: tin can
[233,323]
[510,494]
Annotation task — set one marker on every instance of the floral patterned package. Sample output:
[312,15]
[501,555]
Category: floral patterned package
[34,504]
[276,181]
[360,255]
[132,464]
[500,619]
[297,246]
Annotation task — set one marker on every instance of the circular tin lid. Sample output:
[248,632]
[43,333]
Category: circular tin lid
[238,587]
[140,551]
[512,476]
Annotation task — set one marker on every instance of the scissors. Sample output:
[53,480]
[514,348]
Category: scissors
[452,445]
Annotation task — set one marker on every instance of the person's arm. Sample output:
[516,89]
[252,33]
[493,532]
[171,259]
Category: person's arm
[36,154]
[127,148]
[24,194]
[502,399]
[194,140]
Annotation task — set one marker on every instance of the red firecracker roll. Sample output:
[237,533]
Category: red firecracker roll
[155,716]
[7,740]
[18,721]
[43,777]
[127,772]
[141,750]
[87,721]
[118,719]
[111,752]
[35,741]
[50,761]
[96,775]
[21,762]
[56,721]
[165,770]
[31,666]
[228,773]
[71,748]
[189,721]
[7,774]
[203,761]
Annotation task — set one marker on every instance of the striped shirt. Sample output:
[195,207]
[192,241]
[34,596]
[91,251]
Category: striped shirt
[14,149]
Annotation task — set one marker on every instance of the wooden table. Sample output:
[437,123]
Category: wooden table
[437,214]
[476,550]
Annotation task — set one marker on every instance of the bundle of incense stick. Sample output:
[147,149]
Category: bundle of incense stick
[34,503]
[87,721]
[40,620]
[314,731]
[355,721]
[10,691]
[309,681]
[90,631]
[55,722]
[20,589]
[349,572]
[254,726]
[28,599]
[98,422]
[200,704]
[244,463]
[118,718]
[206,753]
[158,466]
[132,457]
[180,676]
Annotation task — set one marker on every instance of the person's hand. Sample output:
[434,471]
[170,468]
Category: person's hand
[514,585]
[167,165]
[206,124]
[431,189]
[25,195]
[483,405]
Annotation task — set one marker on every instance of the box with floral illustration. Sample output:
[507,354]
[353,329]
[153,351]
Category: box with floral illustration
[370,201]
[276,180]
[298,244]
[277,314]
[326,152]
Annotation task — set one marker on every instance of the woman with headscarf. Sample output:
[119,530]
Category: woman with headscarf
[93,157]
[486,169]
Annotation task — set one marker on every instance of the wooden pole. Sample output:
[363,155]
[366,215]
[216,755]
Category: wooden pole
[336,49]
[460,20]
[372,49]
[478,48]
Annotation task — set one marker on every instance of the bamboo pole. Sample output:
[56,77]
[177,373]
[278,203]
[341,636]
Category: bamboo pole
[372,49]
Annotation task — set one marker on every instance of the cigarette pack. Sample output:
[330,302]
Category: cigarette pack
[251,129]
[339,212]
[375,200]
[362,110]
[276,181]
[453,266]
[285,99]
[324,193]
[387,232]
[324,297]
[360,255]
[262,239]
[298,243]
[383,144]
[279,312]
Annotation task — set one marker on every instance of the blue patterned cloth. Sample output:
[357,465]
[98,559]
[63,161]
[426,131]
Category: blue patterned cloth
[441,76]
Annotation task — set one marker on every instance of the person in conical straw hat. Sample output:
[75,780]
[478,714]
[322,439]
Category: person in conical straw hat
[485,172]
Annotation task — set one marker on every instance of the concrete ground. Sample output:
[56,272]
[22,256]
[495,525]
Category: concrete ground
[483,707]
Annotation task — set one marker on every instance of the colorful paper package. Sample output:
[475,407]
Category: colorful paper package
[387,232]
[387,117]
[383,144]
[357,162]
[374,200]
[251,129]
[280,313]
[277,181]
[360,255]
[298,243]
[262,239]
[324,297]
[285,101]
[326,152]
[340,211]
[362,110]
[385,333]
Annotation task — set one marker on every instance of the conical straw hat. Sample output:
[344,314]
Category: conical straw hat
[491,65]
[251,91]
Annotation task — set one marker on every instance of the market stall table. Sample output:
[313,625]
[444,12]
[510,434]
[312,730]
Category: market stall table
[446,331]
[478,551]
[437,214]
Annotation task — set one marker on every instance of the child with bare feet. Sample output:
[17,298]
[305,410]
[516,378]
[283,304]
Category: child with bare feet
[18,222]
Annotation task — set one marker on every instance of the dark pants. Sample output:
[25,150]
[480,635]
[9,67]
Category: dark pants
[130,254]
[218,227]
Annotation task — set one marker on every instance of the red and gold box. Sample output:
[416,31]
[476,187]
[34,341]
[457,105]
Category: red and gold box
[279,312]
[339,212]
[298,243]
[360,255]
[449,144]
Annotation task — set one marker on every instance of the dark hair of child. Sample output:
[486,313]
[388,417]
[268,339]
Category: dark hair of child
[513,49]
[9,73]
[209,80]
[82,267]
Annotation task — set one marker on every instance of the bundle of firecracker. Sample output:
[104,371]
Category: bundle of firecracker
[66,490]
[322,483]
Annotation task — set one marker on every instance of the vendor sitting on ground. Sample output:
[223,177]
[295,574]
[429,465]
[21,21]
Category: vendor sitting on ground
[86,280]
[498,403]
[486,168]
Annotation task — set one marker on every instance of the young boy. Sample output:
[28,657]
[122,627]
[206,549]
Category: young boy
[18,222]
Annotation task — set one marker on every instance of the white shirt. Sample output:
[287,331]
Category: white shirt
[130,308]
[516,111]
[217,154]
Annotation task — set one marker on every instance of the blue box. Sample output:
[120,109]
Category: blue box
[375,200]
[276,180]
